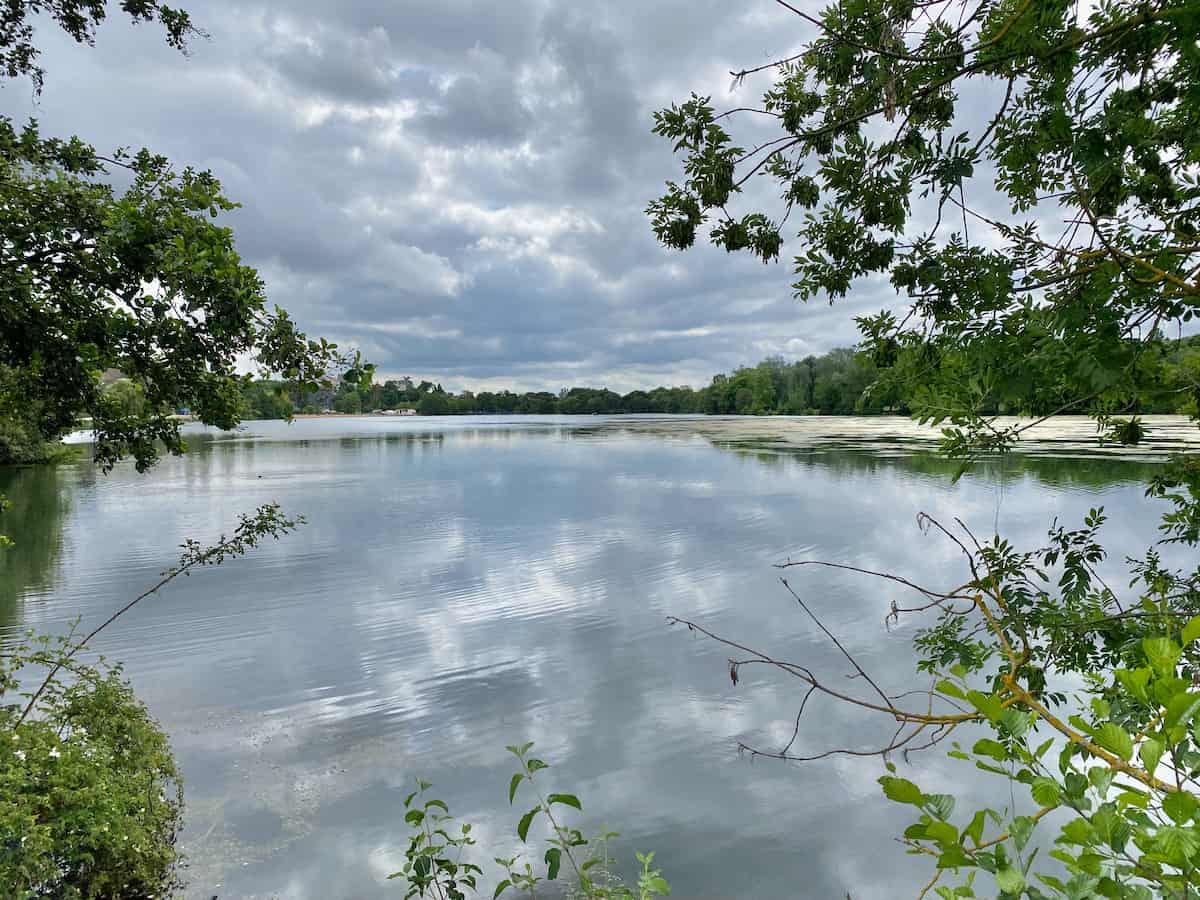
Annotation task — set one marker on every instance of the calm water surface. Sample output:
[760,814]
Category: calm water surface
[466,584]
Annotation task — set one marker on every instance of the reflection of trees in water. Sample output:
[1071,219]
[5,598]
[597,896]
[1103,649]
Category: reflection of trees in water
[34,521]
[1088,472]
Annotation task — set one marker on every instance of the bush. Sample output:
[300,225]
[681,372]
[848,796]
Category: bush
[21,445]
[90,798]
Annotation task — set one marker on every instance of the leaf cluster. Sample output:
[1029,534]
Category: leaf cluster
[434,865]
[90,796]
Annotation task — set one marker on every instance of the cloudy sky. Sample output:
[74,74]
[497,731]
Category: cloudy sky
[457,187]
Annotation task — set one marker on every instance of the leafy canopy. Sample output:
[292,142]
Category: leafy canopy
[119,262]
[1025,178]
[1024,174]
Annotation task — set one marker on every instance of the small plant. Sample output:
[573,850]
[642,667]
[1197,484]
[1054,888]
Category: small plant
[433,865]
[433,861]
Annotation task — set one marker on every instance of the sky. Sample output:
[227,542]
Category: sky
[458,188]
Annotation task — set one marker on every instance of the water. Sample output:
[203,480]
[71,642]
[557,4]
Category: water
[466,584]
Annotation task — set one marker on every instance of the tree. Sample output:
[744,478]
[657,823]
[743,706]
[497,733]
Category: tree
[142,279]
[267,400]
[1092,121]
[435,403]
[942,144]
[125,397]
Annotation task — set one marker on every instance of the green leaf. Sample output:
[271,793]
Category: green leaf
[657,885]
[1014,722]
[1180,806]
[953,857]
[513,785]
[995,770]
[939,805]
[950,689]
[1191,631]
[901,790]
[1179,844]
[1150,753]
[1046,792]
[553,858]
[1133,798]
[1021,829]
[1162,654]
[1114,738]
[942,832]
[1010,880]
[1134,681]
[1101,778]
[974,830]
[501,888]
[989,747]
[1052,882]
[1181,709]
[566,800]
[987,704]
[1078,831]
[526,821]
[534,765]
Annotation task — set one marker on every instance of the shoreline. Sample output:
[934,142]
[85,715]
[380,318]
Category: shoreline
[1076,435]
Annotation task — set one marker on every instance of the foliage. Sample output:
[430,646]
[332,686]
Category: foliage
[94,278]
[434,866]
[90,798]
[139,279]
[942,145]
[142,281]
[126,397]
[901,138]
[79,19]
[21,440]
[266,400]
[841,382]
[1110,766]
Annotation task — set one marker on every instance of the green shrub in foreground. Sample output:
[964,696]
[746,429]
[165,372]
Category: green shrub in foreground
[90,798]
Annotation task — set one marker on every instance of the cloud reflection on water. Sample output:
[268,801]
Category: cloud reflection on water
[457,591]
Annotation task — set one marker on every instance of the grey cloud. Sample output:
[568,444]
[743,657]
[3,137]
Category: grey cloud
[480,104]
[351,66]
[458,187]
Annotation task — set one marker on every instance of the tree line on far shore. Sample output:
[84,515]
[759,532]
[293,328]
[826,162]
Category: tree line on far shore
[841,382]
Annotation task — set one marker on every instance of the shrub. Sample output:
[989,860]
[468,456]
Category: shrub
[90,798]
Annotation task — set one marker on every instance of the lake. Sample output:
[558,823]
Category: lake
[463,584]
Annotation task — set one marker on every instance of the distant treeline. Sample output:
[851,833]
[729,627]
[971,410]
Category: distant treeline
[841,382]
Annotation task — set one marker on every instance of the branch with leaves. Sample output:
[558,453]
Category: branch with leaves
[1118,764]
